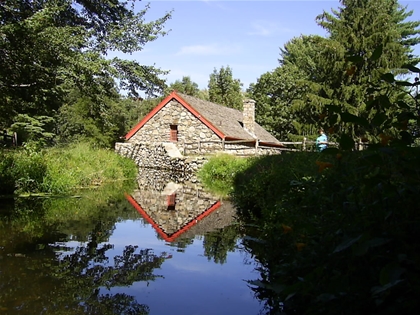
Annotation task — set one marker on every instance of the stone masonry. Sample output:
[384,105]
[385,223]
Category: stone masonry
[151,147]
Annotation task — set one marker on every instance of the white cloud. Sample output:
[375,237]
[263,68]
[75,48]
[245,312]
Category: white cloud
[211,49]
[266,28]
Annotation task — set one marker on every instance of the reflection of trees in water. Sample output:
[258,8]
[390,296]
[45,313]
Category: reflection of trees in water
[43,282]
[218,243]
[92,273]
[36,278]
[266,255]
[181,243]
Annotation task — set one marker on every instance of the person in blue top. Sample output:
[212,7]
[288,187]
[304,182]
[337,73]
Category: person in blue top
[321,141]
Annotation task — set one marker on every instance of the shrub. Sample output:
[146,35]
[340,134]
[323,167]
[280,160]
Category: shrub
[219,172]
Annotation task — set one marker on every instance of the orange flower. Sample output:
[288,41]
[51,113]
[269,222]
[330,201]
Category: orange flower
[384,139]
[331,130]
[323,165]
[339,156]
[300,246]
[286,229]
[364,139]
[322,116]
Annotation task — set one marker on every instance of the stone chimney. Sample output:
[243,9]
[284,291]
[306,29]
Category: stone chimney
[249,115]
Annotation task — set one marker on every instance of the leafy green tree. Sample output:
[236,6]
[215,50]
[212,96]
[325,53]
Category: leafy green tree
[274,93]
[224,89]
[308,56]
[218,243]
[85,120]
[49,47]
[185,86]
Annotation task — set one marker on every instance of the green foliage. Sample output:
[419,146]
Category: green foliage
[219,172]
[345,223]
[272,177]
[224,89]
[7,185]
[185,86]
[337,229]
[275,93]
[79,165]
[318,76]
[61,170]
[100,121]
[52,47]
[27,169]
[33,128]
[339,240]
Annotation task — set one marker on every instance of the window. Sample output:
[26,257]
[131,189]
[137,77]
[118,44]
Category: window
[174,133]
[170,201]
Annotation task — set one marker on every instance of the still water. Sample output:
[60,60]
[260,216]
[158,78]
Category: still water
[165,246]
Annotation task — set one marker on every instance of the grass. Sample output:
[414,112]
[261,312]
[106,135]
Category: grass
[61,170]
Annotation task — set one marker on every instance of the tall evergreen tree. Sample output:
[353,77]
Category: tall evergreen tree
[310,57]
[375,40]
[224,89]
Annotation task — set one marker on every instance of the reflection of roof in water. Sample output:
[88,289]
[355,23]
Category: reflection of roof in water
[172,236]
[175,205]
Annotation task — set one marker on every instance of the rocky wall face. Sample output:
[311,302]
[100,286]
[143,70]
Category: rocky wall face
[190,129]
[155,156]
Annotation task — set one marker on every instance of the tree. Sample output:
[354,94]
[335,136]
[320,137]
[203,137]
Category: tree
[375,40]
[274,94]
[185,86]
[224,89]
[320,77]
[51,47]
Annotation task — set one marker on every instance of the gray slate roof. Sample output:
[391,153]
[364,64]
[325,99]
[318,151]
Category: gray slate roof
[227,120]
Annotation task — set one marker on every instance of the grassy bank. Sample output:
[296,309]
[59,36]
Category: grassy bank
[61,170]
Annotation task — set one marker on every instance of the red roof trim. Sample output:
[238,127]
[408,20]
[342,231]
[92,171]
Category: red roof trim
[148,117]
[198,116]
[165,236]
[167,99]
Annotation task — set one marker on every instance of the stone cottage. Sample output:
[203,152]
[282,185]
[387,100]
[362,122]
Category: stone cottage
[183,126]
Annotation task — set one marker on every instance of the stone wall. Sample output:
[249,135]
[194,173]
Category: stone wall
[157,129]
[156,156]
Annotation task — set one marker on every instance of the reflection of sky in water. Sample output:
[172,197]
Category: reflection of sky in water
[190,284]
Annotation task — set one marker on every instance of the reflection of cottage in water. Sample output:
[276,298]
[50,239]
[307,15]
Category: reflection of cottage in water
[176,209]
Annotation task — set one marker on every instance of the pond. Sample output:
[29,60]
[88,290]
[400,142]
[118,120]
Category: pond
[165,246]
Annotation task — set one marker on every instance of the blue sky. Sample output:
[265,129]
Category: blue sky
[244,35]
